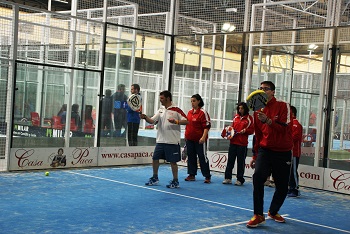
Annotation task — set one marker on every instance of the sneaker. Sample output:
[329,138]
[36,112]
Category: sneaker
[292,195]
[267,183]
[152,181]
[190,178]
[256,220]
[272,184]
[276,217]
[238,183]
[227,181]
[173,184]
[207,180]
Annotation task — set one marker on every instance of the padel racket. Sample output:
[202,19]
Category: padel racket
[135,102]
[228,132]
[257,100]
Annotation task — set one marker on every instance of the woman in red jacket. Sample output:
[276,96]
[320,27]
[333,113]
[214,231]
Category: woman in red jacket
[196,136]
[243,126]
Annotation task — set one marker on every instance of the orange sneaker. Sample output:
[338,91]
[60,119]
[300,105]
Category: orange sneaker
[190,178]
[277,217]
[207,180]
[256,220]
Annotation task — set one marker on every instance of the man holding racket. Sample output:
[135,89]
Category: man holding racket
[133,116]
[273,145]
[168,118]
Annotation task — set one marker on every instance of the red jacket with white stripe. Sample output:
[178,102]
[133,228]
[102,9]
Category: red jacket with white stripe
[297,133]
[278,135]
[239,123]
[198,120]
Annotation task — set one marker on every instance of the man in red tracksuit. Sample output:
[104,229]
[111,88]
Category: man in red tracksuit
[273,149]
[297,133]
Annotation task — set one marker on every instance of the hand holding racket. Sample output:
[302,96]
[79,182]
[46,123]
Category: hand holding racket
[228,133]
[257,100]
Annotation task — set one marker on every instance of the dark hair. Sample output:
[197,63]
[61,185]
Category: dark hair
[294,110]
[75,108]
[63,109]
[120,86]
[136,86]
[60,149]
[199,98]
[270,84]
[108,92]
[166,94]
[245,107]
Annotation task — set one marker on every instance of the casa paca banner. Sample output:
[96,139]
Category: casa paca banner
[46,158]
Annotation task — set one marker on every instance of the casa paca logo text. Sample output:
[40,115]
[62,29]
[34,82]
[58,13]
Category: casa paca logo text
[24,158]
[81,157]
[341,180]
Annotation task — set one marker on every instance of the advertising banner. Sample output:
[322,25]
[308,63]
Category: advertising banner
[109,156]
[310,176]
[337,180]
[42,158]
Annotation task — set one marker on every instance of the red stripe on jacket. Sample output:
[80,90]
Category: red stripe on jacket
[278,135]
[239,123]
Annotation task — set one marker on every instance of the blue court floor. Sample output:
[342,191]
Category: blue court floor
[115,200]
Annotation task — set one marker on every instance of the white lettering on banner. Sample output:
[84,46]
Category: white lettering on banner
[23,157]
[218,161]
[341,181]
[80,156]
[128,155]
[310,176]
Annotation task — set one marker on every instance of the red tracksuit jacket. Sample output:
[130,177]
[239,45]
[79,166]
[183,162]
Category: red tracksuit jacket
[197,122]
[297,133]
[239,123]
[278,135]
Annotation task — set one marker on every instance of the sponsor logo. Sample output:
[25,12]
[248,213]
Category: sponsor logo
[309,176]
[80,157]
[24,160]
[127,155]
[218,161]
[341,181]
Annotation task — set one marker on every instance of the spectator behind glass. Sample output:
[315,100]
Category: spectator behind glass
[75,114]
[63,113]
[107,108]
[119,100]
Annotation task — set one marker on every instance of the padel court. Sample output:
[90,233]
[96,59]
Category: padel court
[115,200]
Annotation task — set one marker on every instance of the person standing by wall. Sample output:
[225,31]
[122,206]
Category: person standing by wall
[273,146]
[168,118]
[196,136]
[133,118]
[119,99]
[297,133]
[107,109]
[243,125]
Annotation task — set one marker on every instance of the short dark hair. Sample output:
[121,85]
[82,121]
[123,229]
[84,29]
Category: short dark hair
[136,86]
[294,110]
[199,98]
[245,107]
[120,86]
[270,84]
[166,94]
[108,92]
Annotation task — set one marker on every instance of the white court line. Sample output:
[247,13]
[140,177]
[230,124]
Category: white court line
[204,200]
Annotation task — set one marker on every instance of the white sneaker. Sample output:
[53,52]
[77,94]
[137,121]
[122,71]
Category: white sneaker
[238,183]
[227,181]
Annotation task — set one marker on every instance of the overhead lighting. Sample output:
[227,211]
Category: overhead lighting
[312,47]
[62,1]
[227,27]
